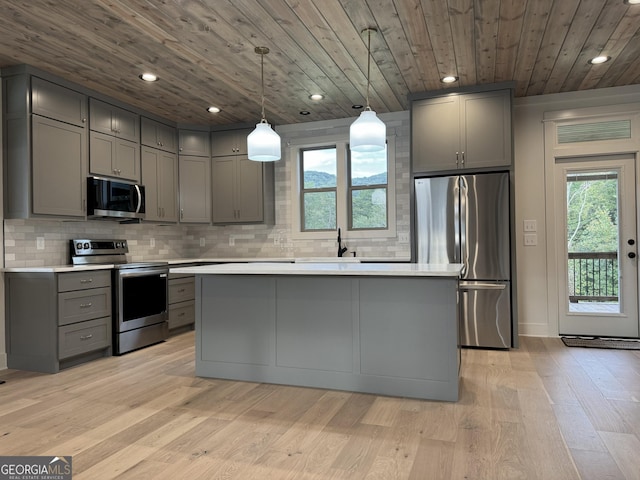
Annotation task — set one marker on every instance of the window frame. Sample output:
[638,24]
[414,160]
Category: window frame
[304,190]
[343,215]
[351,188]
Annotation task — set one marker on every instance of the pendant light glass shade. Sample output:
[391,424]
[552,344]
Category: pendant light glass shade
[263,144]
[368,133]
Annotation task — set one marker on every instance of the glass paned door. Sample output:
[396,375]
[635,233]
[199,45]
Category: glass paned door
[598,275]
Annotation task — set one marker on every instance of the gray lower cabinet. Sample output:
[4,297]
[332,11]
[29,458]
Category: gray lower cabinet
[159,177]
[56,320]
[181,300]
[243,190]
[45,148]
[461,131]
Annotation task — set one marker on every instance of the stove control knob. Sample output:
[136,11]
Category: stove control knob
[79,246]
[124,244]
[86,245]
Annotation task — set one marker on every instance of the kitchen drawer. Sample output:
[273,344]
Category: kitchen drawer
[83,305]
[182,289]
[84,337]
[183,313]
[83,280]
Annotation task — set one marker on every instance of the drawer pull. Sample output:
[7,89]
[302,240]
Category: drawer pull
[86,305]
[86,280]
[181,314]
[181,290]
[86,337]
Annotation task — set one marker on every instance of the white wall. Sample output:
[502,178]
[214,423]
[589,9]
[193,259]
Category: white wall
[533,275]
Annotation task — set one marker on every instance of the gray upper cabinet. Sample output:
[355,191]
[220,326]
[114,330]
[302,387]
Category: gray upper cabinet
[159,176]
[229,142]
[195,189]
[461,131]
[158,135]
[243,190]
[59,103]
[45,149]
[194,142]
[114,148]
[114,121]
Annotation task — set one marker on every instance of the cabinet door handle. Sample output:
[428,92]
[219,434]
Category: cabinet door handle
[181,213]
[181,314]
[86,305]
[463,159]
[86,337]
[457,158]
[181,290]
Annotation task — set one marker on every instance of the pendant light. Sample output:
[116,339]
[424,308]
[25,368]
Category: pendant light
[263,144]
[368,133]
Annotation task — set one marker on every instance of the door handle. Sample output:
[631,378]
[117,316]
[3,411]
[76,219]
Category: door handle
[483,286]
[631,254]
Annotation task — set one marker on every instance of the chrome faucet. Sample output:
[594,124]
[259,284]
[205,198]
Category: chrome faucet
[341,249]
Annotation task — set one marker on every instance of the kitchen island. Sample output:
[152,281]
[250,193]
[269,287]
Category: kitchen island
[382,328]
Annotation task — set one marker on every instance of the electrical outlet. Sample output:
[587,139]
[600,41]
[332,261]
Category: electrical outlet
[232,241]
[202,241]
[40,243]
[152,242]
[530,239]
[530,226]
[403,237]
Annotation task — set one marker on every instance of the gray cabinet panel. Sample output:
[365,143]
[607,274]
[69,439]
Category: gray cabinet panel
[84,337]
[194,142]
[112,120]
[249,190]
[59,103]
[182,314]
[159,176]
[59,166]
[181,300]
[398,323]
[314,329]
[229,142]
[114,157]
[224,207]
[84,280]
[243,308]
[195,189]
[83,305]
[181,289]
[158,135]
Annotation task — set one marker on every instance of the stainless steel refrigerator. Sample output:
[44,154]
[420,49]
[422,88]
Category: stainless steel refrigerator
[465,219]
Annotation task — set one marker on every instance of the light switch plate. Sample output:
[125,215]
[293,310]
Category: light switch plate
[40,243]
[202,241]
[530,226]
[530,239]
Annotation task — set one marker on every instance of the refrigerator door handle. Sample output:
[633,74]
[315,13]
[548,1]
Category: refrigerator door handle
[483,286]
[463,219]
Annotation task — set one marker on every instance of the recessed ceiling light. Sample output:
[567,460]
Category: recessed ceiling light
[316,96]
[357,107]
[305,112]
[213,110]
[149,77]
[599,60]
[449,79]
[632,2]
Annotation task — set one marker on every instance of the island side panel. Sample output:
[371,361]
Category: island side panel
[409,331]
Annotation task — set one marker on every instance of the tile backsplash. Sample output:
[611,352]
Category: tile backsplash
[183,241]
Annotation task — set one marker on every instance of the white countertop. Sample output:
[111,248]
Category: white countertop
[335,268]
[58,269]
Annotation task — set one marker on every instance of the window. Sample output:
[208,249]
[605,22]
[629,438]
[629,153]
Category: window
[340,188]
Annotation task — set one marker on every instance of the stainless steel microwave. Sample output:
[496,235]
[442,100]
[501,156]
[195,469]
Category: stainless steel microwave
[114,198]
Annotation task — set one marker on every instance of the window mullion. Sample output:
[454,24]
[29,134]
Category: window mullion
[342,186]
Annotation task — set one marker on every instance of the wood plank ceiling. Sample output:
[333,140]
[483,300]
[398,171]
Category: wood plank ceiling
[203,50]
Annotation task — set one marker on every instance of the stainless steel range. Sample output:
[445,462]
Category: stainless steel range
[139,293]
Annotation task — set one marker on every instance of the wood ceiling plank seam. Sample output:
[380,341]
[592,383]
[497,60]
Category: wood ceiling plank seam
[395,60]
[299,47]
[356,16]
[487,21]
[412,17]
[461,21]
[349,50]
[583,21]
[509,30]
[535,22]
[617,44]
[436,17]
[560,18]
[175,46]
[607,21]
[628,58]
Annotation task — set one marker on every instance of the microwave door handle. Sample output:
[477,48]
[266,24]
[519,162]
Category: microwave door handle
[139,198]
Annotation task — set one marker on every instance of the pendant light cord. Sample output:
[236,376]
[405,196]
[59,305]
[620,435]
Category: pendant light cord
[368,65]
[264,120]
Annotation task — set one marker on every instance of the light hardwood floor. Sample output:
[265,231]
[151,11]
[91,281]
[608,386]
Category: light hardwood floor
[543,411]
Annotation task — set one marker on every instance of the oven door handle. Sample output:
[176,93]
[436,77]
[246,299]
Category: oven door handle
[142,273]
[139,198]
